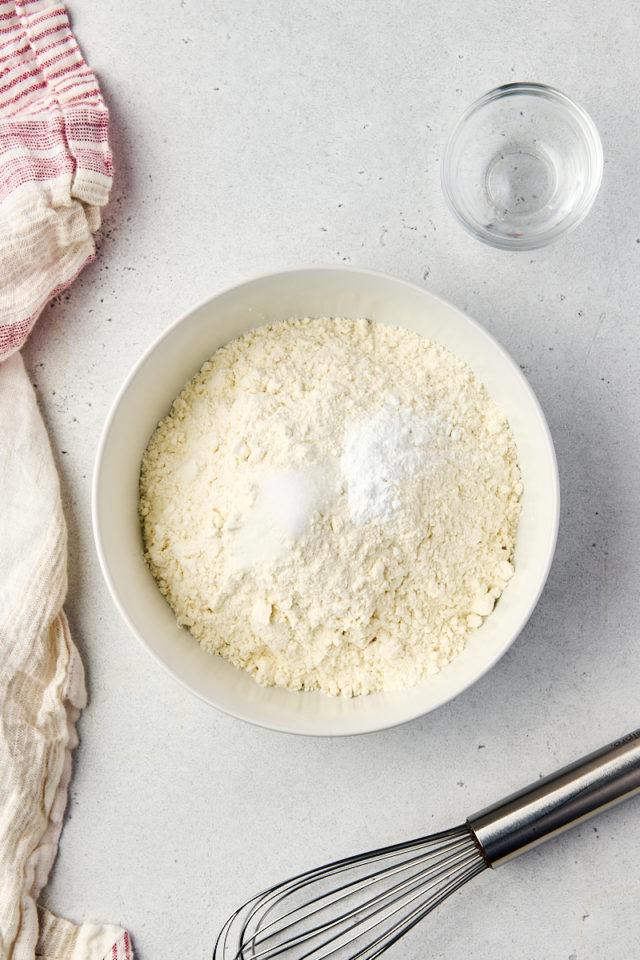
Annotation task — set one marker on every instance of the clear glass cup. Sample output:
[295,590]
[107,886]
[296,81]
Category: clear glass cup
[522,166]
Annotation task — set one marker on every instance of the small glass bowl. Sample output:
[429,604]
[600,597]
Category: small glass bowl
[522,166]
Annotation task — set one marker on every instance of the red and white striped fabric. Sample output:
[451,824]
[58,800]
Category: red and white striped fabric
[55,162]
[55,175]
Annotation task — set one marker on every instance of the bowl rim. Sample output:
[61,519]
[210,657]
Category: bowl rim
[576,216]
[238,713]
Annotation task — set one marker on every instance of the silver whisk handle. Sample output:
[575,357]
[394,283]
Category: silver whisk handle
[551,805]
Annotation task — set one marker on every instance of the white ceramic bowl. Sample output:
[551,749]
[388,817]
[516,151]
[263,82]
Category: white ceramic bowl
[146,397]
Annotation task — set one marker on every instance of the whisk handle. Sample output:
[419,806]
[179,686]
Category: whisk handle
[555,803]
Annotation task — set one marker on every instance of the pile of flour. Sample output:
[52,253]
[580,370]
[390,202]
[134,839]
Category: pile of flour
[332,504]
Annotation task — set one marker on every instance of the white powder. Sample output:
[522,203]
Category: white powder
[378,452]
[281,514]
[332,504]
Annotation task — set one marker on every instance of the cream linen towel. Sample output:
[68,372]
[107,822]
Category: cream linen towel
[55,174]
[41,687]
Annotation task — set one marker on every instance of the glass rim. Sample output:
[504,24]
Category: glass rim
[592,141]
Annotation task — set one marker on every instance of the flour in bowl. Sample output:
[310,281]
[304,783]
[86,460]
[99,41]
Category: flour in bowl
[332,504]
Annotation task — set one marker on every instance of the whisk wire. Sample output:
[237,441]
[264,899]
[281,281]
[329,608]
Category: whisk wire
[393,902]
[320,903]
[400,895]
[402,927]
[298,882]
[364,915]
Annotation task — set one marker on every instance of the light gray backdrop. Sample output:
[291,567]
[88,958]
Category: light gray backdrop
[252,136]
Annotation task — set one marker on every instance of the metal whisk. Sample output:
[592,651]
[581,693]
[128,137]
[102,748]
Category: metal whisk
[357,907]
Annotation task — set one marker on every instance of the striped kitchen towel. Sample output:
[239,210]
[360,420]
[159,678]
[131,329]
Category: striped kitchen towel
[55,163]
[55,174]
